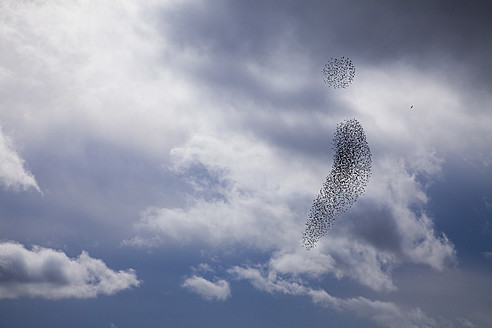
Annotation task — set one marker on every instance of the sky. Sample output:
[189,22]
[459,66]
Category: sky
[158,161]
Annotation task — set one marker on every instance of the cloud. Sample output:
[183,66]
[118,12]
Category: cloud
[218,290]
[385,313]
[252,181]
[50,274]
[421,137]
[13,174]
[391,314]
[243,198]
[247,122]
[393,218]
[203,268]
[104,66]
[487,255]
[466,323]
[263,204]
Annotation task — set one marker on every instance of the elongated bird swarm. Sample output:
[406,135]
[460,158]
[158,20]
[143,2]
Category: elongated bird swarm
[347,180]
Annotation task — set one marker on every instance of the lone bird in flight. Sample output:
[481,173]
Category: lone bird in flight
[411,107]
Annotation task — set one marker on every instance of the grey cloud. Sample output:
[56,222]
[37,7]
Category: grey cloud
[385,313]
[90,187]
[50,274]
[394,310]
[374,30]
[248,197]
[236,89]
[235,51]
[231,30]
[466,323]
[376,226]
[462,293]
[231,27]
[208,183]
[259,189]
[304,137]
[487,255]
[398,203]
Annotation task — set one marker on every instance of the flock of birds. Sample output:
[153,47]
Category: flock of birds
[351,164]
[339,72]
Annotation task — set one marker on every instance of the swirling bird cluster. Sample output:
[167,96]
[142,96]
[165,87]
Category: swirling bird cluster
[347,180]
[339,72]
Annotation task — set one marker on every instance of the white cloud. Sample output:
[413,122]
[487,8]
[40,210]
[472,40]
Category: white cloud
[209,290]
[203,268]
[268,280]
[385,313]
[50,274]
[446,119]
[395,188]
[262,203]
[250,190]
[315,262]
[13,174]
[341,258]
[243,198]
[379,233]
[389,314]
[110,72]
[97,70]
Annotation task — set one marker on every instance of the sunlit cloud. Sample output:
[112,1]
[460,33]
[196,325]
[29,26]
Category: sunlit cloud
[209,290]
[51,274]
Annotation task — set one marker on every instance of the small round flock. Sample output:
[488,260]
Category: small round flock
[338,72]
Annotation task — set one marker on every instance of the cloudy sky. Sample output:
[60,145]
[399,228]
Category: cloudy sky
[158,160]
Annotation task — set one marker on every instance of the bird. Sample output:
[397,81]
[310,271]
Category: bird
[411,107]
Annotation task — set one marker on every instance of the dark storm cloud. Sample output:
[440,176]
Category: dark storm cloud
[376,226]
[227,37]
[371,31]
[233,28]
[224,40]
[305,136]
[376,31]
